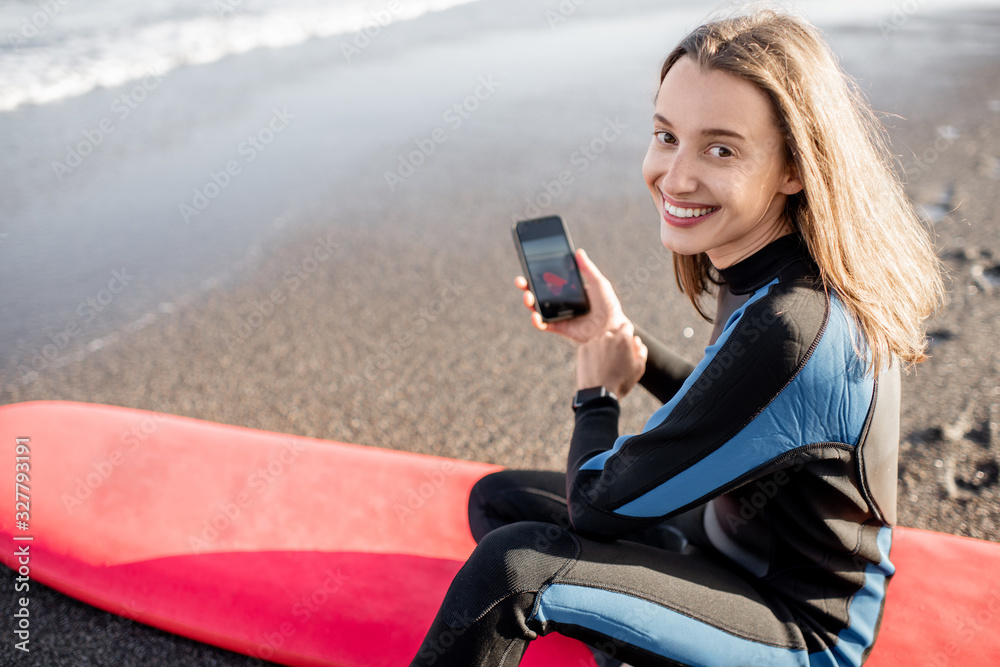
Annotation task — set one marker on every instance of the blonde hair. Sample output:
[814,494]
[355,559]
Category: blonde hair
[853,214]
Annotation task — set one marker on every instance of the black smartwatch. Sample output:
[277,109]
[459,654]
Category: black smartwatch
[586,395]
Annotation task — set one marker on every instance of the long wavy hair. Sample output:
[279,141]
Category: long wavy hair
[853,214]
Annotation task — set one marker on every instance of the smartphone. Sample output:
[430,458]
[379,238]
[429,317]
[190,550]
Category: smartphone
[549,264]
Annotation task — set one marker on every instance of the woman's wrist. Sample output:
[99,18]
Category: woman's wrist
[616,321]
[589,381]
[619,320]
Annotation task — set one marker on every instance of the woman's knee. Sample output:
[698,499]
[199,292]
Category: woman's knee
[488,487]
[501,481]
[482,513]
[517,558]
[508,496]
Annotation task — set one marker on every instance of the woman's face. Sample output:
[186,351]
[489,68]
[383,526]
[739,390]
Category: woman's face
[716,165]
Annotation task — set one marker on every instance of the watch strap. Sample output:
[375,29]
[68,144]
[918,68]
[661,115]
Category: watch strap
[583,396]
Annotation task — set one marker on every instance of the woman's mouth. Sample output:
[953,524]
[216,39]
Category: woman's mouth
[686,216]
[678,212]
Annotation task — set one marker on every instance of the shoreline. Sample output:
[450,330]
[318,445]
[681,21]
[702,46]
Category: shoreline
[344,318]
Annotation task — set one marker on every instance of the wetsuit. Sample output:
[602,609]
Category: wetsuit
[749,523]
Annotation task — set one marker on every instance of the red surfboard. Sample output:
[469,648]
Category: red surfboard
[309,552]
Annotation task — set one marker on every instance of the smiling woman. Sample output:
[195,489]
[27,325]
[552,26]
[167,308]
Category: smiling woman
[717,175]
[751,521]
[843,197]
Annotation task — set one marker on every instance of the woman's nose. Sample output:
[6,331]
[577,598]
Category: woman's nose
[679,175]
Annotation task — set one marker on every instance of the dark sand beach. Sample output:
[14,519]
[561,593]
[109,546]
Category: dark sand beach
[335,303]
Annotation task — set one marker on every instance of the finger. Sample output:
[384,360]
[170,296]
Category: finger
[623,332]
[521,282]
[529,300]
[587,267]
[536,319]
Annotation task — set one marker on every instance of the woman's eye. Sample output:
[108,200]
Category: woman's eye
[720,151]
[664,137]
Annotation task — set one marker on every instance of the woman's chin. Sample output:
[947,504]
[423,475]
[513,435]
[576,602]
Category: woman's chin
[679,243]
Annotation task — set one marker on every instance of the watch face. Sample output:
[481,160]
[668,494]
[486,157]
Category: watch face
[589,394]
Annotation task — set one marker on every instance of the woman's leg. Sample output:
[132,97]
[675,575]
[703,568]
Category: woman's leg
[638,603]
[483,619]
[648,605]
[509,496]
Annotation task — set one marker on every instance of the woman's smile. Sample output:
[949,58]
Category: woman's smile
[685,214]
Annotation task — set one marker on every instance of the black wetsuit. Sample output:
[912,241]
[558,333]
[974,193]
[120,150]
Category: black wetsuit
[748,524]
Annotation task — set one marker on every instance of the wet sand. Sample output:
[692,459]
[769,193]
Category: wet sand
[389,317]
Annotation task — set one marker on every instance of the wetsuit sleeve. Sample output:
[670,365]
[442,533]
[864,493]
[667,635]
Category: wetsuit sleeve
[698,445]
[665,369]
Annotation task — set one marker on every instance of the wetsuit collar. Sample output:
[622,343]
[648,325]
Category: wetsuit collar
[764,265]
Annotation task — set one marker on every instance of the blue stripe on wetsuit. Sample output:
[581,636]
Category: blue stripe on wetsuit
[597,462]
[656,629]
[669,633]
[795,418]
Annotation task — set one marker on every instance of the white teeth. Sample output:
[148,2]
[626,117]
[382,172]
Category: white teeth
[687,212]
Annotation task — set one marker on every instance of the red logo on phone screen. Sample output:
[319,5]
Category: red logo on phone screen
[554,283]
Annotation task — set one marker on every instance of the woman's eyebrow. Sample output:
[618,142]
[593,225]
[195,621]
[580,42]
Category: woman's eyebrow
[710,132]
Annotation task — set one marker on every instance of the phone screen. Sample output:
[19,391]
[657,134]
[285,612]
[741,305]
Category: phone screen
[548,261]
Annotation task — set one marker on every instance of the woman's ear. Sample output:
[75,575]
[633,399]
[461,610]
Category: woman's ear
[792,184]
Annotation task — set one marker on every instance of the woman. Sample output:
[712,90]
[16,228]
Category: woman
[750,523]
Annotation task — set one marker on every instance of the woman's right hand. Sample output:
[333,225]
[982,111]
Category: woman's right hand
[605,309]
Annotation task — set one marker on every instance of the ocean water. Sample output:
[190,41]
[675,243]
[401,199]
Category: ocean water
[54,49]
[100,164]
